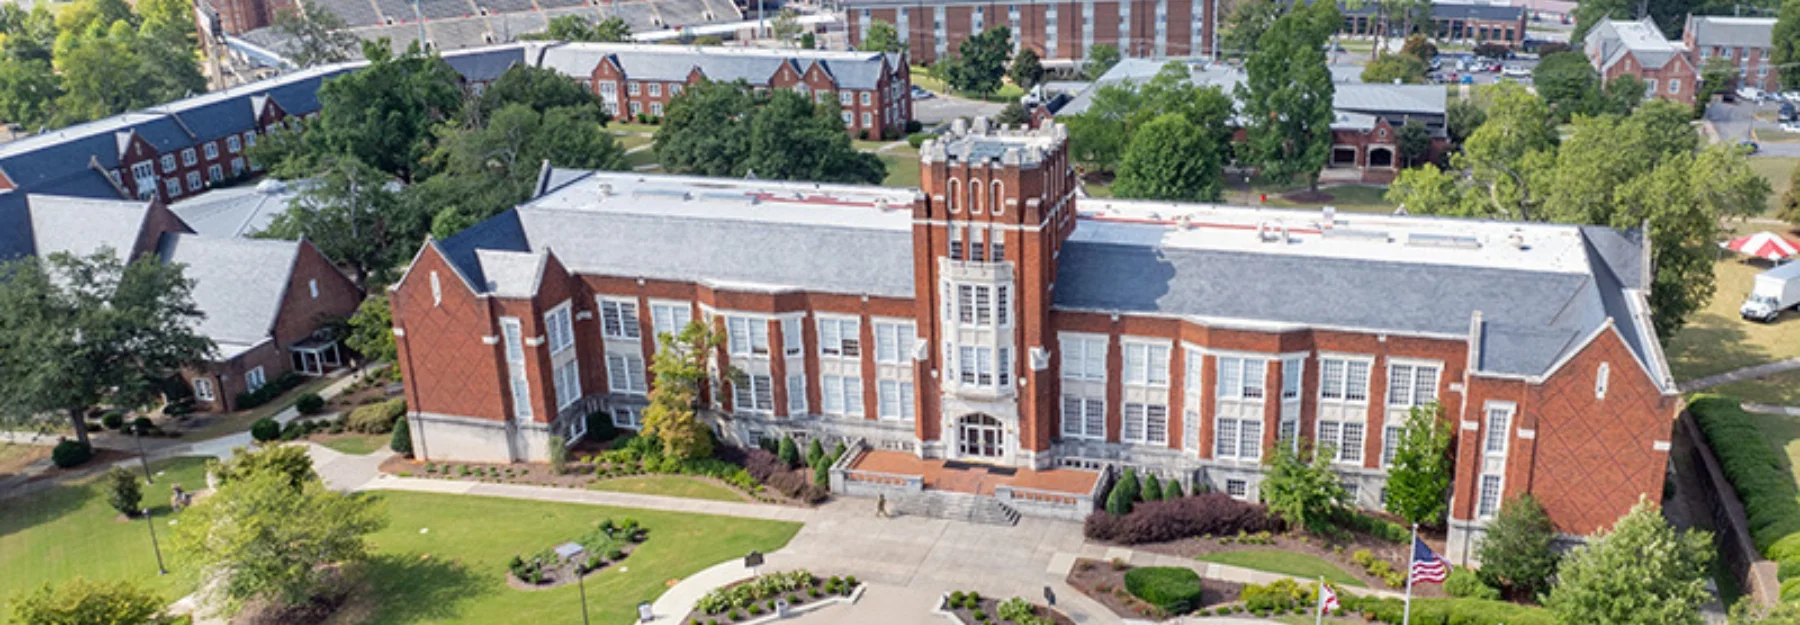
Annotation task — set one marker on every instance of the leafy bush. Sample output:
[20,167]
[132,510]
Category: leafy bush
[143,425]
[918,138]
[269,390]
[1152,490]
[113,420]
[1160,521]
[265,430]
[1124,494]
[1284,594]
[815,453]
[1463,611]
[1172,490]
[123,492]
[1176,590]
[377,418]
[309,403]
[401,443]
[1756,473]
[789,452]
[1465,583]
[1375,526]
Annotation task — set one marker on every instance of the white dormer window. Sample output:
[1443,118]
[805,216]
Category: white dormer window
[1600,380]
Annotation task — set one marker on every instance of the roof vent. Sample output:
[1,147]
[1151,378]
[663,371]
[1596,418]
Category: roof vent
[1516,240]
[1271,232]
[1351,233]
[881,204]
[1185,222]
[606,189]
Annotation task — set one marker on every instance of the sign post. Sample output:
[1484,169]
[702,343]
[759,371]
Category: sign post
[752,561]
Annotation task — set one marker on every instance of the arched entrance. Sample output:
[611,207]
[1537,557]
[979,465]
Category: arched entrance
[980,436]
[1381,157]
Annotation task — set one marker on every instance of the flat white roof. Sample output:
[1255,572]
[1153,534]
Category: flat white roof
[766,201]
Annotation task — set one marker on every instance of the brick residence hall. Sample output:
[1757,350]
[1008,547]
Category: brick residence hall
[987,325]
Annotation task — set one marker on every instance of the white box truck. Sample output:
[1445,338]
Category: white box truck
[1773,290]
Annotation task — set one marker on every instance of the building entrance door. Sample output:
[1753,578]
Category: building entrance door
[980,435]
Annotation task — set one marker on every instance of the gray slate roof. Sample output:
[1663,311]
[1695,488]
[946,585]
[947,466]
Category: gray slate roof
[673,63]
[1734,32]
[239,211]
[83,226]
[238,283]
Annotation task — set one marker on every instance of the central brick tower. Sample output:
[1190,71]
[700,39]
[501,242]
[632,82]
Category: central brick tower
[999,202]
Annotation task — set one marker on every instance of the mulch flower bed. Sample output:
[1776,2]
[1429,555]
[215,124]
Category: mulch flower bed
[1341,553]
[581,471]
[975,609]
[1105,582]
[606,545]
[755,598]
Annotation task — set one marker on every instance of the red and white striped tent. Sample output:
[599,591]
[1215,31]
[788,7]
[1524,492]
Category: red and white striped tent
[1763,245]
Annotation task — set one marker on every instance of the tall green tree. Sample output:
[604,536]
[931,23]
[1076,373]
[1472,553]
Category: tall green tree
[1427,190]
[1395,68]
[1567,83]
[261,537]
[372,330]
[317,35]
[1170,158]
[1246,25]
[1287,96]
[981,61]
[1620,96]
[349,214]
[680,372]
[1639,572]
[1012,114]
[1518,137]
[1413,142]
[383,114]
[1789,208]
[1461,119]
[582,28]
[1101,58]
[539,88]
[28,92]
[1305,492]
[792,138]
[1518,554]
[81,601]
[1419,478]
[1027,69]
[882,37]
[706,131]
[1785,55]
[78,332]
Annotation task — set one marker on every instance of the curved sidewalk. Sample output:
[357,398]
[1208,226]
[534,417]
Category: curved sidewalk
[1739,375]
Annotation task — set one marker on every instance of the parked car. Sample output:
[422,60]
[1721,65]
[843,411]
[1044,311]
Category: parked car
[1772,291]
[1787,112]
[1791,127]
[1516,71]
[919,93]
[1751,94]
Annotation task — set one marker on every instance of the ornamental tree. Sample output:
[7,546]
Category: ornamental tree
[1172,159]
[1027,69]
[123,492]
[1639,572]
[1418,484]
[1518,554]
[680,374]
[1304,492]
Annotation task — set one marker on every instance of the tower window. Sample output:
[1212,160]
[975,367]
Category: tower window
[955,190]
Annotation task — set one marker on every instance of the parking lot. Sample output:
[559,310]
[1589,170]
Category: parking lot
[1735,122]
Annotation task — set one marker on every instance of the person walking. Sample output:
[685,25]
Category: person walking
[881,505]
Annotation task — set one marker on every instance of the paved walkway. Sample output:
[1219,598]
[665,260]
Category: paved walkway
[1746,373]
[1792,411]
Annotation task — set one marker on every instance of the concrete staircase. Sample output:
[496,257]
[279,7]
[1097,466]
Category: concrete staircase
[956,507]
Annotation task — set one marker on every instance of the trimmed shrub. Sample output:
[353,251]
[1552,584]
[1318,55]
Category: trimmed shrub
[1172,490]
[1158,521]
[123,492]
[309,403]
[69,453]
[1756,473]
[143,425]
[788,452]
[1465,583]
[265,430]
[917,139]
[815,452]
[401,442]
[1447,611]
[1176,590]
[376,418]
[1153,488]
[822,473]
[113,420]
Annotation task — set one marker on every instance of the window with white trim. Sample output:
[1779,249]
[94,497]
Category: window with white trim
[1146,363]
[187,157]
[1345,437]
[1288,433]
[669,319]
[1146,424]
[656,89]
[842,395]
[1411,385]
[1343,380]
[568,383]
[203,389]
[1083,357]
[975,365]
[796,390]
[193,181]
[1083,417]
[1241,378]
[756,393]
[1195,365]
[1238,438]
[212,150]
[1237,489]
[1291,371]
[513,337]
[215,173]
[1489,501]
[1390,442]
[1499,419]
[619,319]
[172,186]
[559,328]
[168,163]
[793,342]
[747,336]
[981,304]
[1601,378]
[254,379]
[628,417]
[840,337]
[232,144]
[625,374]
[894,400]
[892,341]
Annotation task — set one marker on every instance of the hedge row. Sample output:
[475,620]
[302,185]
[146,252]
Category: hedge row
[1215,514]
[1756,473]
[1448,611]
[1174,589]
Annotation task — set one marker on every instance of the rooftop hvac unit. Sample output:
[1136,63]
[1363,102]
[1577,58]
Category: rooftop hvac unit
[1443,240]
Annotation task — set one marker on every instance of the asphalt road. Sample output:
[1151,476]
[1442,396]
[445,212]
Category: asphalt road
[1734,121]
[942,108]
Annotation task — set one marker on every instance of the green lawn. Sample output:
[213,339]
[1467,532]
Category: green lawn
[228,424]
[902,168]
[1779,171]
[669,485]
[641,158]
[69,531]
[1716,340]
[1008,92]
[455,572]
[1346,198]
[1286,563]
[618,127]
[357,444]
[630,140]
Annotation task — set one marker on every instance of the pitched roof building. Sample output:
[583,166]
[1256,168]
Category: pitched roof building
[991,318]
[1639,48]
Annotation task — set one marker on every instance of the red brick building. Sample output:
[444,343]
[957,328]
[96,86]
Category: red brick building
[871,89]
[1450,22]
[987,318]
[263,301]
[1626,48]
[1059,32]
[1747,42]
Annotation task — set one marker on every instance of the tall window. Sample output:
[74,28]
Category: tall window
[1412,385]
[793,341]
[1238,438]
[1343,380]
[894,400]
[997,202]
[796,390]
[1499,418]
[1083,417]
[840,337]
[954,193]
[1146,364]
[892,341]
[1290,378]
[1601,376]
[747,336]
[512,336]
[561,332]
[1146,424]
[568,383]
[1083,358]
[1345,436]
[1489,501]
[756,393]
[842,395]
[1241,378]
[625,373]
[619,319]
[670,318]
[1390,441]
[975,193]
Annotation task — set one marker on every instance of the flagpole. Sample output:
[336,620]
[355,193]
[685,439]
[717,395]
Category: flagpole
[1320,617]
[1412,549]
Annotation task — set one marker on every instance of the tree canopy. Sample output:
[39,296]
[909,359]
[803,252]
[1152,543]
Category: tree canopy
[1099,136]
[1246,25]
[1518,554]
[78,332]
[719,129]
[1287,95]
[318,36]
[95,58]
[1027,69]
[881,37]
[1785,55]
[981,61]
[1171,159]
[1398,68]
[1419,477]
[1639,572]
[582,28]
[1101,57]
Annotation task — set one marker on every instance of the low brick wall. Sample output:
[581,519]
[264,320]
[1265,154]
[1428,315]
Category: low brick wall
[1731,527]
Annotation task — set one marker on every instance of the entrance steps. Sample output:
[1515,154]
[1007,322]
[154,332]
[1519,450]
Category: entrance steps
[956,507]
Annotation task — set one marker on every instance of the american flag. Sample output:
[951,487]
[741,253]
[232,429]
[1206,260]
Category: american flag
[1428,567]
[1329,602]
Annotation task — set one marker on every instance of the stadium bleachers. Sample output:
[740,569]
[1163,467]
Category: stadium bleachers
[353,12]
[458,33]
[504,6]
[444,9]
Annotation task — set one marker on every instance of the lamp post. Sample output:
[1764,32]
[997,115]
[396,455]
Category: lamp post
[136,436]
[160,570]
[575,555]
